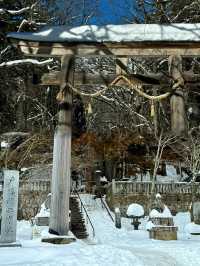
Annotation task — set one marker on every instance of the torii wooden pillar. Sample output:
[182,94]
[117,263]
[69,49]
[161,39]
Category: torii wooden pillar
[60,186]
[177,103]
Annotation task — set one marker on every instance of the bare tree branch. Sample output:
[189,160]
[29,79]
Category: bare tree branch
[25,61]
[17,12]
[14,12]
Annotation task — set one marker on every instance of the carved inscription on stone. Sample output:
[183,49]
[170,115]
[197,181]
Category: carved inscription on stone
[9,208]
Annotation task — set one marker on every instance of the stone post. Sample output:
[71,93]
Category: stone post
[113,192]
[118,218]
[113,186]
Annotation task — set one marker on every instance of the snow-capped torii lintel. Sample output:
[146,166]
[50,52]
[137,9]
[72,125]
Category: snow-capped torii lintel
[113,33]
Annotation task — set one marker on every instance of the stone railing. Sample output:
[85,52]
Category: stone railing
[177,196]
[31,186]
[124,187]
[42,186]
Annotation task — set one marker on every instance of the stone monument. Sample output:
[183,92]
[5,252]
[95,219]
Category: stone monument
[162,224]
[9,209]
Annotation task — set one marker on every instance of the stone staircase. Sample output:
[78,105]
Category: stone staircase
[77,224]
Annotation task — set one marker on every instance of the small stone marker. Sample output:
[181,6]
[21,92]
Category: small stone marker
[36,233]
[9,209]
[42,221]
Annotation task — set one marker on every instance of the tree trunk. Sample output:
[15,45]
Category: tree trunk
[109,169]
[194,190]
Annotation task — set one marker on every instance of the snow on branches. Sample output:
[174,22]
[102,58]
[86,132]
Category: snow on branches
[25,61]
[17,12]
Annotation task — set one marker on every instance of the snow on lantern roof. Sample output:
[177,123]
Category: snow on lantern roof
[113,33]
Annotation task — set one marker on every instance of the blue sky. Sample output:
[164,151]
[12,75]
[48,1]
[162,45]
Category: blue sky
[107,11]
[115,12]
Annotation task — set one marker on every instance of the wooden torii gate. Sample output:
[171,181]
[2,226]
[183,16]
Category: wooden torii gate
[119,41]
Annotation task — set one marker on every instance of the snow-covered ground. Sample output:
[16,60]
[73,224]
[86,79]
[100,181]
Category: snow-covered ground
[111,246]
[171,175]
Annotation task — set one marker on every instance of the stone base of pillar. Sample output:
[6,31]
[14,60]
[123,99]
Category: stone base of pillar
[15,244]
[59,240]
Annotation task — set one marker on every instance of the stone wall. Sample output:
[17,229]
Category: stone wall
[34,186]
[31,196]
[29,204]
[33,190]
[37,173]
[177,200]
